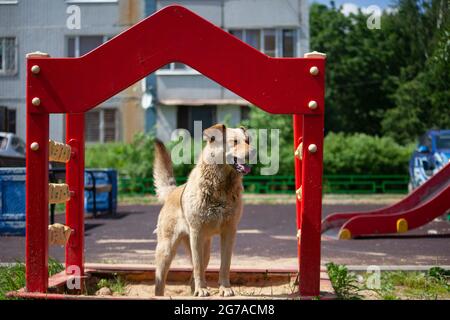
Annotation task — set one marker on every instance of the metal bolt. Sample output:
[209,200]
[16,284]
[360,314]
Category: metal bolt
[314,71]
[312,104]
[34,146]
[35,69]
[36,101]
[312,148]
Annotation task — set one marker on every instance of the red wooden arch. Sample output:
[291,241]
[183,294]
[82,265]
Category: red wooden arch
[76,85]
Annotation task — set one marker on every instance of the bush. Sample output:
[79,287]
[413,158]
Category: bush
[364,154]
[133,160]
[343,154]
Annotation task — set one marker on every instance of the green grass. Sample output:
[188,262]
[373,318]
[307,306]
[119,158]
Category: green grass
[394,285]
[13,277]
[344,283]
[116,284]
[430,285]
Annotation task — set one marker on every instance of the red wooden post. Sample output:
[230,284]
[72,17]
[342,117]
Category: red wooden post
[36,206]
[75,180]
[311,205]
[298,134]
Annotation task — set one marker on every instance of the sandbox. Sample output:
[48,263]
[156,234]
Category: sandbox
[139,284]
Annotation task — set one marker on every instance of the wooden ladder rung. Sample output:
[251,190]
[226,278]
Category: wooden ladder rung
[58,193]
[58,152]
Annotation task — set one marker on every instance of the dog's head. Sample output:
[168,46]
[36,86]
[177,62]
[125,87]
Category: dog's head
[228,146]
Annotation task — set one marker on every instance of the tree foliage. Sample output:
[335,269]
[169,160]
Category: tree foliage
[392,80]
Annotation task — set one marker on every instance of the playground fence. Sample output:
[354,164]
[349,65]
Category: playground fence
[336,184]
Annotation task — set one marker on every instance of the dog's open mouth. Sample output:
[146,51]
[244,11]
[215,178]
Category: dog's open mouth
[241,167]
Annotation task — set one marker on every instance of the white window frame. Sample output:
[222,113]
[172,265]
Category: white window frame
[5,72]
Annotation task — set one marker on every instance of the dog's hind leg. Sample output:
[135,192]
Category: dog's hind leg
[187,246]
[165,251]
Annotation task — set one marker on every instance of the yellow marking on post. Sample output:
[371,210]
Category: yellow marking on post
[402,225]
[345,234]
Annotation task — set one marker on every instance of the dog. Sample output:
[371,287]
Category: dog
[208,204]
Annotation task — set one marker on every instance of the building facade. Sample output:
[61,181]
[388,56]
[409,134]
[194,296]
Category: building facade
[66,28]
[173,97]
[277,28]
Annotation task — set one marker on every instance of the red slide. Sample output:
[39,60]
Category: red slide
[424,204]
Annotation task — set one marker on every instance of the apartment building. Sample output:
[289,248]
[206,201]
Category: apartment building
[174,96]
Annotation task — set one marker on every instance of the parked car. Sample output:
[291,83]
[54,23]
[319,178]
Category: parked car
[12,150]
[432,153]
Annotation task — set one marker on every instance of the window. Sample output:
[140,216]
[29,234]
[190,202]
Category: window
[272,42]
[253,38]
[80,45]
[250,36]
[101,125]
[270,47]
[238,34]
[7,120]
[288,43]
[186,116]
[8,56]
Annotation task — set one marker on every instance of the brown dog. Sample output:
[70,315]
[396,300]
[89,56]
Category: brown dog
[210,203]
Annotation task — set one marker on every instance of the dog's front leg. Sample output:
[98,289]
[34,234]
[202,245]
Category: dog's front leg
[226,249]
[197,246]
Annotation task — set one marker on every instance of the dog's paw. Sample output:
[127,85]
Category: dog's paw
[201,292]
[226,291]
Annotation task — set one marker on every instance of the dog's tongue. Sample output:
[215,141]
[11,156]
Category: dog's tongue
[243,168]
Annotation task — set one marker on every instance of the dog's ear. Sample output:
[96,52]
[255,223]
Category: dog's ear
[215,133]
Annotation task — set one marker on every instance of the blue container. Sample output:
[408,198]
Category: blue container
[106,201]
[12,201]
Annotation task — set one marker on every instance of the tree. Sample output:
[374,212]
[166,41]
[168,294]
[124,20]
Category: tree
[359,63]
[424,102]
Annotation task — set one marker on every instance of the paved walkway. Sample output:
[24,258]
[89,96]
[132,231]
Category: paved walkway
[266,239]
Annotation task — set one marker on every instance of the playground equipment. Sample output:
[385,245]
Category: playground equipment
[432,153]
[424,204]
[75,85]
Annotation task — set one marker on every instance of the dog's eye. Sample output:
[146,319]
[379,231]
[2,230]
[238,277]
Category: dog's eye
[235,142]
[213,139]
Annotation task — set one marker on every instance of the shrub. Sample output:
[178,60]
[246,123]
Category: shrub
[364,154]
[343,154]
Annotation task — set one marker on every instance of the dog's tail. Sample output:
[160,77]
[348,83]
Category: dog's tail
[163,177]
